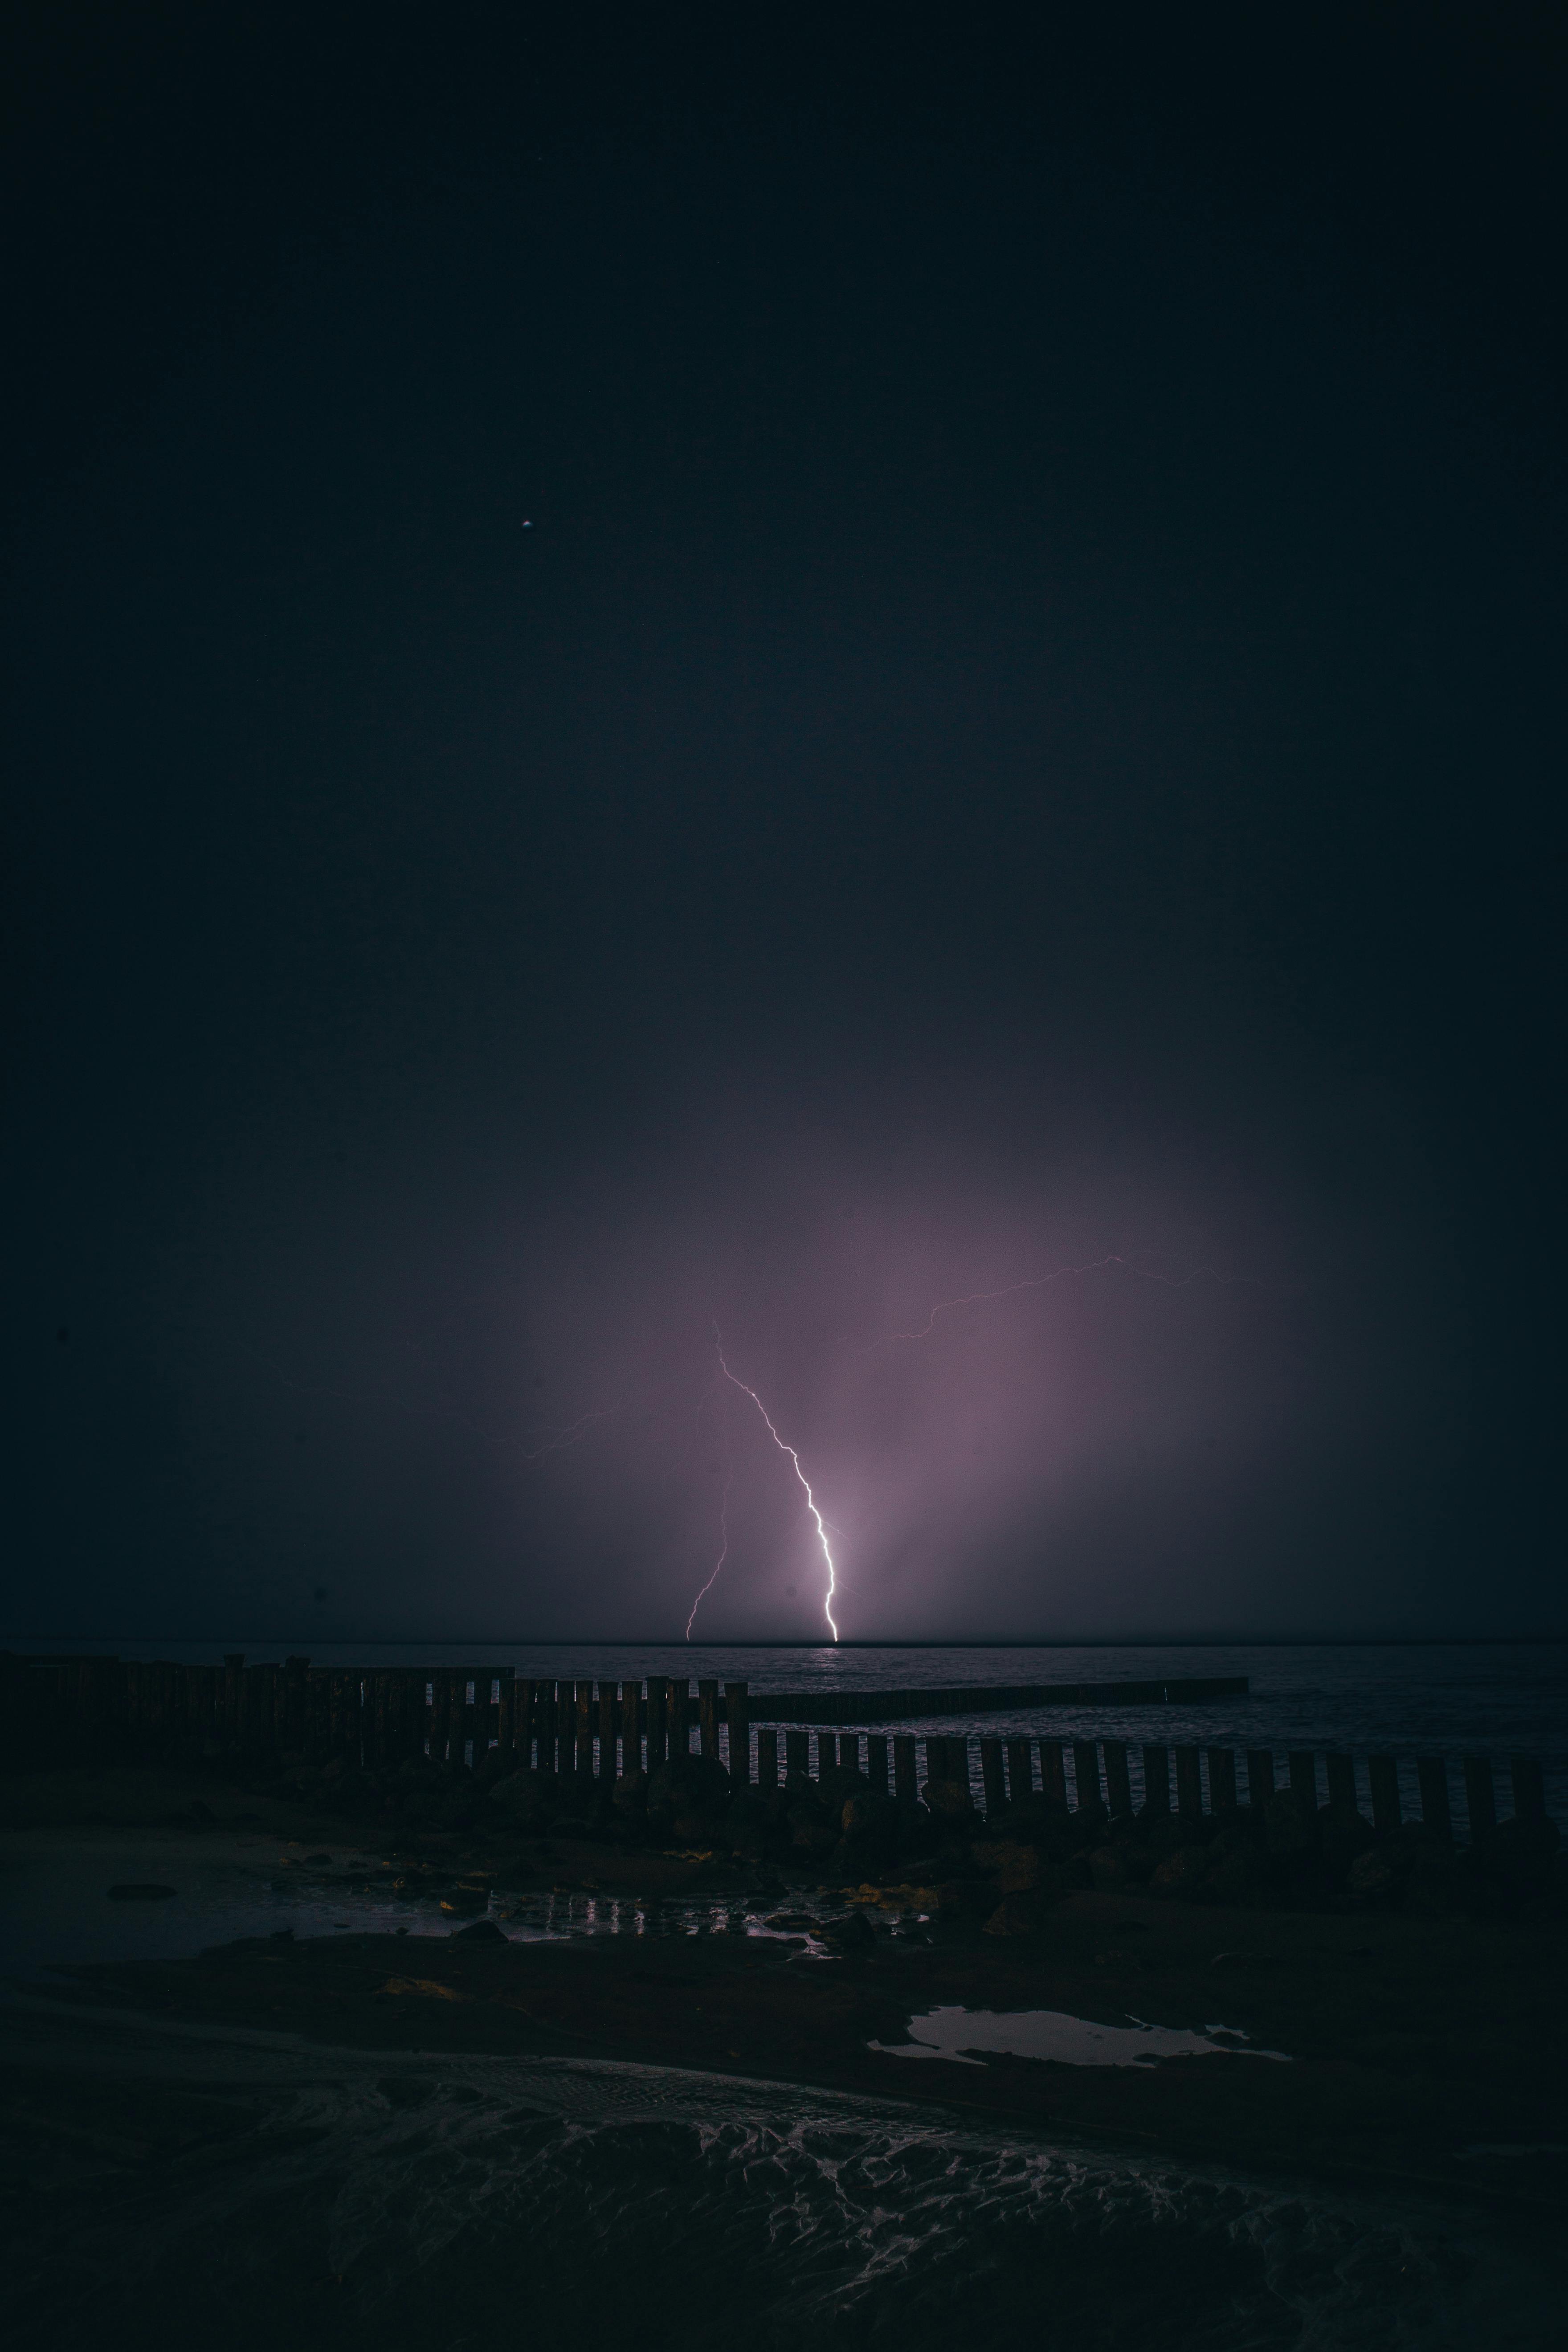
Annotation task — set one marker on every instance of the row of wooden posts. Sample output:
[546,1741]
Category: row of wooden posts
[383,1718]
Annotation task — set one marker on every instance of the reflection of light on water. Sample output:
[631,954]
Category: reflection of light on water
[1051,2033]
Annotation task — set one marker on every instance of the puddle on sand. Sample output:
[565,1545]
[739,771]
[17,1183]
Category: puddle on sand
[1051,2033]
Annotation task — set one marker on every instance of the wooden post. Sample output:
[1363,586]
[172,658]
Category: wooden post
[767,1758]
[1304,1779]
[606,1731]
[738,1721]
[1480,1801]
[1341,1782]
[958,1760]
[679,1719]
[1156,1780]
[905,1771]
[584,1713]
[849,1751]
[1020,1772]
[565,1728]
[1433,1776]
[1260,1776]
[1528,1787]
[233,1668]
[1383,1774]
[827,1752]
[1053,1774]
[994,1777]
[658,1734]
[631,1726]
[708,1716]
[877,1762]
[797,1756]
[1222,1781]
[1086,1772]
[1189,1783]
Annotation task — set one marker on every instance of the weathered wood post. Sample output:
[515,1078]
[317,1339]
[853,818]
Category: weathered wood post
[631,1726]
[1529,1785]
[1386,1813]
[1189,1784]
[1086,1772]
[1156,1781]
[233,1670]
[1304,1779]
[1480,1799]
[1260,1776]
[797,1757]
[877,1762]
[1222,1781]
[992,1778]
[441,1715]
[679,1717]
[738,1723]
[1020,1772]
[906,1772]
[606,1731]
[658,1733]
[1341,1771]
[708,1715]
[767,1760]
[1054,1775]
[1432,1777]
[827,1752]
[585,1729]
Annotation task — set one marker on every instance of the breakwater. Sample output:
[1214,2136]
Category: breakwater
[55,1711]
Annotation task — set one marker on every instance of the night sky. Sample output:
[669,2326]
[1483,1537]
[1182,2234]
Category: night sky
[746,671]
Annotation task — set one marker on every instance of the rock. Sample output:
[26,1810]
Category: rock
[1345,1834]
[949,1800]
[854,1934]
[865,1814]
[964,1898]
[483,1931]
[1292,1831]
[1232,1875]
[1108,1869]
[1016,1915]
[630,1793]
[1370,1878]
[1183,1874]
[528,1798]
[1014,1866]
[811,1834]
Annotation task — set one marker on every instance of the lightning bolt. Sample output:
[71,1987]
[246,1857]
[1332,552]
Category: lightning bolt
[800,1473]
[1041,1281]
[723,1554]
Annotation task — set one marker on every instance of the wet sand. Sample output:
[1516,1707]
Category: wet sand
[1423,2090]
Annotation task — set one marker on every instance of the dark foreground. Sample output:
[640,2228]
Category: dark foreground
[670,2139]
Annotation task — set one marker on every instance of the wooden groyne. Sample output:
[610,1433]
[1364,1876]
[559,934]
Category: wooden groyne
[54,1707]
[56,1711]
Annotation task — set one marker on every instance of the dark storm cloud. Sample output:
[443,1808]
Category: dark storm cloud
[1018,737]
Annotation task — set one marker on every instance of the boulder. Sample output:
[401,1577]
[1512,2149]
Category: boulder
[1344,1833]
[853,1934]
[1016,1915]
[1183,1874]
[483,1931]
[1370,1878]
[949,1800]
[529,1799]
[1014,1866]
[629,1794]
